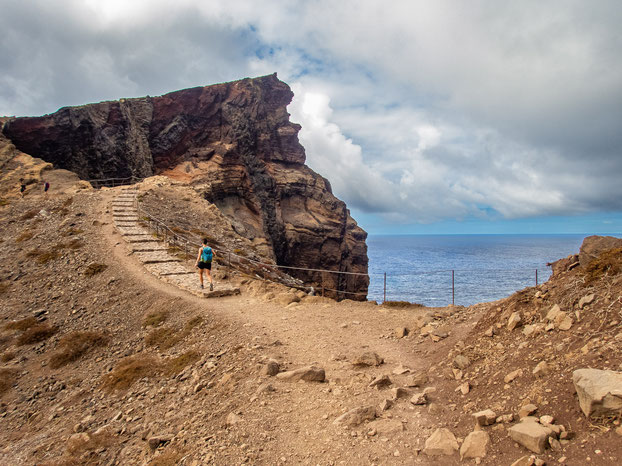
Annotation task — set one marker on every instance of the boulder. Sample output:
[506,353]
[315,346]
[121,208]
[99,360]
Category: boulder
[441,442]
[368,358]
[599,391]
[356,416]
[531,435]
[308,374]
[157,440]
[401,332]
[475,445]
[593,246]
[418,379]
[513,375]
[399,392]
[419,399]
[566,323]
[271,368]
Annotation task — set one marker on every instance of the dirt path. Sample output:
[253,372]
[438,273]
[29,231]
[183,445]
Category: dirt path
[329,335]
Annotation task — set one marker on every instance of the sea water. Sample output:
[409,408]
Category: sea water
[420,268]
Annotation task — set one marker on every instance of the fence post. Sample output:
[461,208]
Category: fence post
[453,290]
[384,299]
[322,273]
[536,277]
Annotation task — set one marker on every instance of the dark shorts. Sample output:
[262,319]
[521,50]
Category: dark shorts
[205,265]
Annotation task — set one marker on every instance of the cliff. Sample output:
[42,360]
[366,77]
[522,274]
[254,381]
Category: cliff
[235,144]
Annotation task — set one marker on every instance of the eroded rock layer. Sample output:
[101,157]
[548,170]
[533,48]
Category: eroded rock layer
[233,142]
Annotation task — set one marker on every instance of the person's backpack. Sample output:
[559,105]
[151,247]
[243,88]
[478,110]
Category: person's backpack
[206,254]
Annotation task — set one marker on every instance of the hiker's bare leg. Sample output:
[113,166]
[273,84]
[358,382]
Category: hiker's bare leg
[209,275]
[201,276]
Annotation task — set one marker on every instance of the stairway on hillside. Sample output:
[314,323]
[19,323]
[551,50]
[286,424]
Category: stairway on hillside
[154,253]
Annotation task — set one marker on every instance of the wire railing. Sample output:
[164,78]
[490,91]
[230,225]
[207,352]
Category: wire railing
[114,182]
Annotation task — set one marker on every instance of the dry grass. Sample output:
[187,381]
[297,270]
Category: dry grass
[6,357]
[179,363]
[94,269]
[168,458]
[7,379]
[30,214]
[36,333]
[608,263]
[24,236]
[21,325]
[153,319]
[4,287]
[129,370]
[167,337]
[74,345]
[68,202]
[73,231]
[43,257]
[401,304]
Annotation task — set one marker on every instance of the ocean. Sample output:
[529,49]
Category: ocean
[485,267]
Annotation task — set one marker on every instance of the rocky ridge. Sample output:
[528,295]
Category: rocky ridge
[234,143]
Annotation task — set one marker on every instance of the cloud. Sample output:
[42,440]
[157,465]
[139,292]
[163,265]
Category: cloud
[417,111]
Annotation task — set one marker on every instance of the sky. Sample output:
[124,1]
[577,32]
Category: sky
[437,117]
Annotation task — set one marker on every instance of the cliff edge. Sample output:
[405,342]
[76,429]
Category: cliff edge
[234,143]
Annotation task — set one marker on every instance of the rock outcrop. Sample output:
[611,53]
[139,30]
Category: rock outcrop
[235,144]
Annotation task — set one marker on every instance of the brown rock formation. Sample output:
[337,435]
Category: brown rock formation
[235,143]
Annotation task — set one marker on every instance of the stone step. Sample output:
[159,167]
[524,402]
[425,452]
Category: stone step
[151,246]
[168,268]
[155,257]
[131,231]
[141,239]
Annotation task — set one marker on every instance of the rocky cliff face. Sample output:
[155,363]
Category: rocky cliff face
[234,142]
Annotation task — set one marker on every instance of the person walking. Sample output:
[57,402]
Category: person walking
[204,262]
[46,187]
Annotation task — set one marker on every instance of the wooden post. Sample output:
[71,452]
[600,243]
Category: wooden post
[536,277]
[453,290]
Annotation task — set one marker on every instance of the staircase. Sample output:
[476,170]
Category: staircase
[155,255]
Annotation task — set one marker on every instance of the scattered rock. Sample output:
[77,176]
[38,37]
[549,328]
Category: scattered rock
[399,370]
[547,419]
[566,324]
[356,416]
[441,442]
[513,375]
[599,391]
[382,381]
[399,392]
[418,379]
[541,369]
[386,426]
[368,358]
[527,410]
[461,362]
[514,321]
[419,399]
[271,368]
[155,441]
[588,299]
[308,374]
[475,445]
[525,461]
[385,405]
[464,388]
[485,417]
[232,419]
[401,332]
[531,435]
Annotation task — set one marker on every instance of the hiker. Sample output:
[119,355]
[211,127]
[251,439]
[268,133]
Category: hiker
[46,187]
[204,262]
[22,186]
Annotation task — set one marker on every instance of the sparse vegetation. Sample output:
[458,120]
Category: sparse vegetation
[74,345]
[153,319]
[21,325]
[167,337]
[179,363]
[30,214]
[168,458]
[73,231]
[8,356]
[94,269]
[401,304]
[68,202]
[129,370]
[43,257]
[24,236]
[36,333]
[7,379]
[4,287]
[608,263]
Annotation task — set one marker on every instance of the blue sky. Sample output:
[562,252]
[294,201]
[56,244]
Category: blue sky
[426,117]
